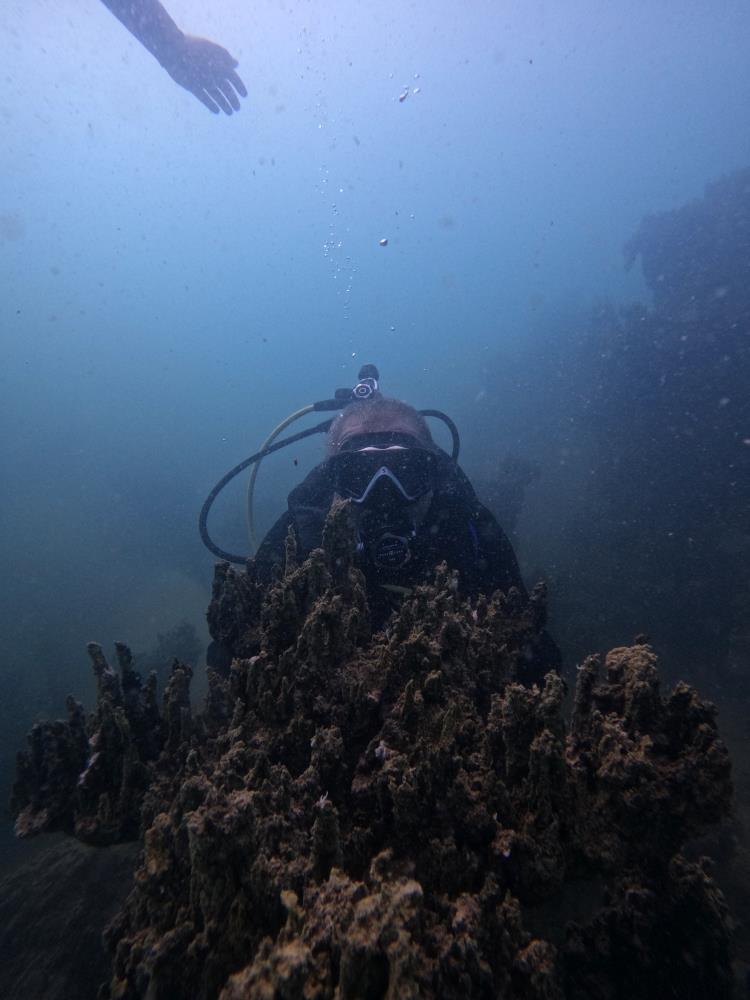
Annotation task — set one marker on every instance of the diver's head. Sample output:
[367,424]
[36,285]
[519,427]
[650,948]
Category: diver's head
[384,459]
[378,416]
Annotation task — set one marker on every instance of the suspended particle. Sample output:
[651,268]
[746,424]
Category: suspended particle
[383,242]
[403,95]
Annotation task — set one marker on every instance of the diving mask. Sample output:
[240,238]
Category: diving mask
[411,471]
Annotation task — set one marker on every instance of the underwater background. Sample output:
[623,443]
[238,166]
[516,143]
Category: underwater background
[174,284]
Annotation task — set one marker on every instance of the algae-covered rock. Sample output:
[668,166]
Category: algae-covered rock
[360,815]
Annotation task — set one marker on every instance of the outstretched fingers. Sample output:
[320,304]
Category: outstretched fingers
[216,95]
[238,85]
[204,98]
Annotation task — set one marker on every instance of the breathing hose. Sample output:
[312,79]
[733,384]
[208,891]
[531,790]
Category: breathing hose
[367,387]
[256,466]
[257,457]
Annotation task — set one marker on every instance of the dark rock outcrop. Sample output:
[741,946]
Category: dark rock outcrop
[362,816]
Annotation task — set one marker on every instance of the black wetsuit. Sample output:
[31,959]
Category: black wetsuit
[457,529]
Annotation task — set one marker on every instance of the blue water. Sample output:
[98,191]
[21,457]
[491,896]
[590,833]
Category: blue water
[174,283]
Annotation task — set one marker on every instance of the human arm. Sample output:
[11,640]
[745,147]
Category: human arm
[200,66]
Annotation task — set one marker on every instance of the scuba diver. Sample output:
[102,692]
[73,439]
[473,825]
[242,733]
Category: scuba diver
[413,507]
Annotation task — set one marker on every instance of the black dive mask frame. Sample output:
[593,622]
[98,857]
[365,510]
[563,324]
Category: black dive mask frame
[411,469]
[366,387]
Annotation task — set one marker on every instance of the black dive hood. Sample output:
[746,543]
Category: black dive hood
[366,387]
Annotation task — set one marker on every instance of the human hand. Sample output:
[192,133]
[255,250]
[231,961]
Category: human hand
[207,71]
